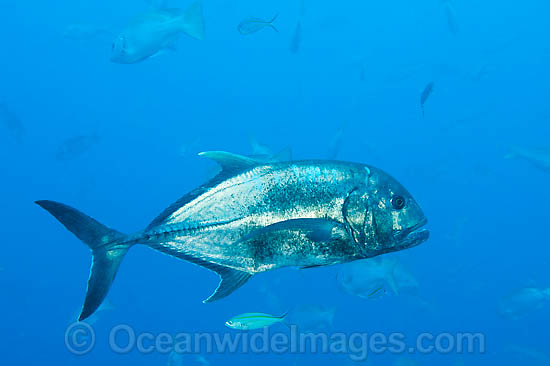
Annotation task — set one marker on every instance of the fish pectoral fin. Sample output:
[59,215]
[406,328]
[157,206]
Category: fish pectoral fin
[230,162]
[317,230]
[231,279]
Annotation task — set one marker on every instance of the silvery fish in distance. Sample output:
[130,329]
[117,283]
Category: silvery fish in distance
[255,217]
[539,157]
[252,25]
[155,31]
[76,146]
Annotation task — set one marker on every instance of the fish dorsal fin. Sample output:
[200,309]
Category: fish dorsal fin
[230,162]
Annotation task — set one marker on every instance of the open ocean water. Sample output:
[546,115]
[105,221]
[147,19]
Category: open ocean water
[104,106]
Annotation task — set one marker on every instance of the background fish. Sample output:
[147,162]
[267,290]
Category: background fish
[157,30]
[251,321]
[296,39]
[12,123]
[312,317]
[523,301]
[428,90]
[252,25]
[538,157]
[75,147]
[451,16]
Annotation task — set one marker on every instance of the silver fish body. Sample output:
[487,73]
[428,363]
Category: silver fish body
[253,217]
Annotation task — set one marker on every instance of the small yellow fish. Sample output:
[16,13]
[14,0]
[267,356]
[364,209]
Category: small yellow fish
[250,321]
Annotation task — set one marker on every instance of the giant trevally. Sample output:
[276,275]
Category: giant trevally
[155,31]
[255,217]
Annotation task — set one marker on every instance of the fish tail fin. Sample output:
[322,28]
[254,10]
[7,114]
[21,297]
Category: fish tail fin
[108,249]
[272,21]
[192,20]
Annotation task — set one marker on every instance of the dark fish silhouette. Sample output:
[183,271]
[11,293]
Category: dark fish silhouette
[296,39]
[451,17]
[425,95]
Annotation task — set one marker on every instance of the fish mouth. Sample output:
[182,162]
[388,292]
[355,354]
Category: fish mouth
[412,236]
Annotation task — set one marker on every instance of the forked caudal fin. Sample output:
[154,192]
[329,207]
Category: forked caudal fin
[108,248]
[192,20]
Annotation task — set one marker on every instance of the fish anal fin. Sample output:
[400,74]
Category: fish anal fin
[230,280]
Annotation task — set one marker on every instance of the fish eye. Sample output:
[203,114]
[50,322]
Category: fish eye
[398,202]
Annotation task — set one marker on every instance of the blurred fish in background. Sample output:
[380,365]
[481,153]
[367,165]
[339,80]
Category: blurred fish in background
[251,25]
[11,122]
[265,154]
[425,95]
[312,317]
[155,32]
[451,16]
[75,147]
[367,277]
[539,157]
[526,355]
[296,39]
[521,302]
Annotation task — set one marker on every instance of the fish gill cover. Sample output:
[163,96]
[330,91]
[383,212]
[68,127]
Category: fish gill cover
[333,136]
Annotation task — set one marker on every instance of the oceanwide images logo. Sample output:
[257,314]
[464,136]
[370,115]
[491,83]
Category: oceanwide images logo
[80,339]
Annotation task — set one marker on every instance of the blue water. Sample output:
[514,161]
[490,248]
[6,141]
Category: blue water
[361,67]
